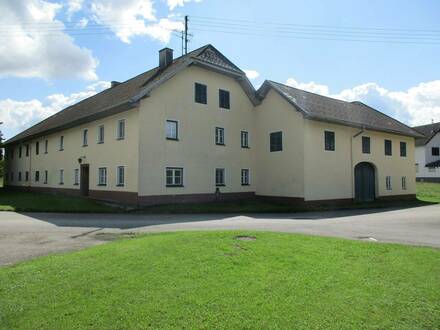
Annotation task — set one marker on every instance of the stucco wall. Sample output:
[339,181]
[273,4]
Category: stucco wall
[280,172]
[110,154]
[195,150]
[330,174]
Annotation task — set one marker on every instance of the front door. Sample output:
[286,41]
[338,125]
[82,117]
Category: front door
[84,181]
[365,182]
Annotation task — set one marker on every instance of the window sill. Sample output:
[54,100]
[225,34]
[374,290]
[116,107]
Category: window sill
[225,109]
[61,183]
[45,152]
[172,139]
[60,149]
[245,147]
[100,142]
[175,186]
[76,184]
[220,185]
[120,138]
[220,144]
[85,145]
[204,103]
[120,185]
[102,185]
[245,184]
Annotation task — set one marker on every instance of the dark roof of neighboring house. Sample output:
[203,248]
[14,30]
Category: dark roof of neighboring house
[323,108]
[433,164]
[429,131]
[125,95]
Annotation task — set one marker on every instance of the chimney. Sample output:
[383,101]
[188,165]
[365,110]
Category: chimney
[165,57]
[114,83]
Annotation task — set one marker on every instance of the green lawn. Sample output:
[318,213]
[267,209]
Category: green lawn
[211,280]
[428,192]
[34,202]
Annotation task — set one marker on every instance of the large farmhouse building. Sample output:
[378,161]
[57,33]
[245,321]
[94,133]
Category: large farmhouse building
[194,129]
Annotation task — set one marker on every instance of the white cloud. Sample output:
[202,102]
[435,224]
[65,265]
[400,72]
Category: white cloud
[74,6]
[129,18]
[251,74]
[416,106]
[82,23]
[19,115]
[30,52]
[172,4]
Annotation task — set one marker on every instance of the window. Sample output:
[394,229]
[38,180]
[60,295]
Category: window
[19,176]
[245,177]
[244,139]
[102,176]
[76,177]
[276,141]
[220,136]
[417,168]
[431,169]
[219,177]
[402,149]
[329,138]
[388,148]
[12,176]
[26,176]
[46,144]
[201,95]
[46,175]
[19,151]
[403,182]
[435,151]
[61,143]
[171,130]
[174,177]
[365,144]
[388,182]
[223,99]
[27,150]
[101,134]
[61,176]
[120,176]
[37,148]
[37,176]
[120,134]
[85,137]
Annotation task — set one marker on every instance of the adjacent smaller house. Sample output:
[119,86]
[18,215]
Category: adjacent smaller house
[428,153]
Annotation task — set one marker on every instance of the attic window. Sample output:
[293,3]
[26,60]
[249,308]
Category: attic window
[201,95]
[435,151]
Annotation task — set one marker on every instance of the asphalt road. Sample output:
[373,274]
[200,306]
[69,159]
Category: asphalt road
[29,235]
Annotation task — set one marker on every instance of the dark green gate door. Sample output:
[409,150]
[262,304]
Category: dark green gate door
[365,190]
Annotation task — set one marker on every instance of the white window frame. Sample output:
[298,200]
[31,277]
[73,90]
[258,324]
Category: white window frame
[102,176]
[85,137]
[403,182]
[46,146]
[168,126]
[244,137]
[388,182]
[61,143]
[219,136]
[61,176]
[173,176]
[119,182]
[101,137]
[46,176]
[245,180]
[120,133]
[76,176]
[223,177]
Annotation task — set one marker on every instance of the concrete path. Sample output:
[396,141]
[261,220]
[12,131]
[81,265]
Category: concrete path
[26,236]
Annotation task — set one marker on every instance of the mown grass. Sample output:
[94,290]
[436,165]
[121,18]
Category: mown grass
[428,192]
[37,202]
[211,280]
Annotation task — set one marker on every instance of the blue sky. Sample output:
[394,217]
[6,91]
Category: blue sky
[54,53]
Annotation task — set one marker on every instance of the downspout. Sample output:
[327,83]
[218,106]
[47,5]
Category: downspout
[351,160]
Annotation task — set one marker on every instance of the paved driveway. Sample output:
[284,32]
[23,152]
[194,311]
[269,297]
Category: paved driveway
[25,236]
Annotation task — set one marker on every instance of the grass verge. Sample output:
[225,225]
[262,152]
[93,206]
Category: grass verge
[211,280]
[428,192]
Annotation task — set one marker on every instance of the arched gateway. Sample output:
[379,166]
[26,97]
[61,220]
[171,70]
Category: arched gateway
[365,182]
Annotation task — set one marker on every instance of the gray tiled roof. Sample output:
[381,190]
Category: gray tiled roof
[429,131]
[123,94]
[318,107]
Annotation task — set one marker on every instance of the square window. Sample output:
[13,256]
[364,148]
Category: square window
[120,135]
[365,144]
[120,176]
[200,92]
[245,177]
[219,177]
[244,139]
[102,176]
[388,148]
[329,138]
[276,141]
[402,149]
[220,136]
[174,176]
[435,151]
[224,99]
[171,129]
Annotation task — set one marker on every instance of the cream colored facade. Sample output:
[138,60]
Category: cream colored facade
[302,170]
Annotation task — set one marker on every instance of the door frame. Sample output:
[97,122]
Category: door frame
[84,181]
[374,182]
